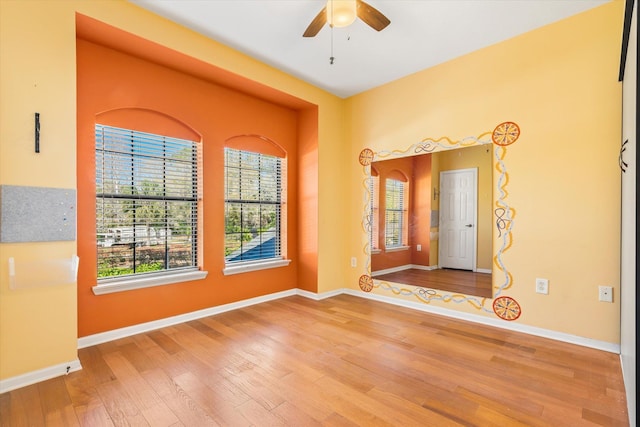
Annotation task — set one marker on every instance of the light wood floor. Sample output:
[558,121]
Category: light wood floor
[343,361]
[455,281]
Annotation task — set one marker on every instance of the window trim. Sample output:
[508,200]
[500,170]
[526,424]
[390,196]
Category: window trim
[247,266]
[115,284]
[397,248]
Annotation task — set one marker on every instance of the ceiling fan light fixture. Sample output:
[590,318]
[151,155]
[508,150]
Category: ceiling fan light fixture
[341,13]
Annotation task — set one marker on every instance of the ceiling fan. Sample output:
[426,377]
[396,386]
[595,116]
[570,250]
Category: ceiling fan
[340,13]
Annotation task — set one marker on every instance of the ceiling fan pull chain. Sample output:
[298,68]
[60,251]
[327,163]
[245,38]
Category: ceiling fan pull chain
[331,58]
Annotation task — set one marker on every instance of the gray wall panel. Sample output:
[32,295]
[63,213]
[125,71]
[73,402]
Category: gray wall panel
[37,214]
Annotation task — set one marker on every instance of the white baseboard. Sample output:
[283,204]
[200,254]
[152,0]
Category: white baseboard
[40,375]
[390,270]
[115,334]
[483,270]
[517,327]
[424,267]
[402,268]
[319,297]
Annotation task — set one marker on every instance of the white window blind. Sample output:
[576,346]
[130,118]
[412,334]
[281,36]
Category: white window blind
[146,202]
[253,206]
[395,213]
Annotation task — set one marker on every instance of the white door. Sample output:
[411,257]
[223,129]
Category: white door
[458,218]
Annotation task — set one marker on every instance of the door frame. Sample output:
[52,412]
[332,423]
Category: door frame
[474,234]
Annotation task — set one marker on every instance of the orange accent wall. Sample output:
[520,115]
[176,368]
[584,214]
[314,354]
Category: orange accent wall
[308,200]
[420,214]
[109,80]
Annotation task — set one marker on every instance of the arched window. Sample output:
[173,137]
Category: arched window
[254,203]
[146,203]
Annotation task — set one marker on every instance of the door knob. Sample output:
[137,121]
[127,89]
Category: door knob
[469,225]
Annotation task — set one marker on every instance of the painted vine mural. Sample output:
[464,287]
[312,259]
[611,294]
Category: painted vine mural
[501,305]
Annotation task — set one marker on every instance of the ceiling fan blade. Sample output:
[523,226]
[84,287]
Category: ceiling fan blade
[317,23]
[372,16]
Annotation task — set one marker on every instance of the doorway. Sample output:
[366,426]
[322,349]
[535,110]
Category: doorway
[457,241]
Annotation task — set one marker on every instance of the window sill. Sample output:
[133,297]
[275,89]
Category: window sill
[255,266]
[376,251]
[147,282]
[397,249]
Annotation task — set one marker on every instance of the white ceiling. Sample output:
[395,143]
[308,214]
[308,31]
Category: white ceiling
[422,33]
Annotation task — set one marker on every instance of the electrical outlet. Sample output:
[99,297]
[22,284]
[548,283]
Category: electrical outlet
[605,293]
[419,248]
[542,286]
[354,262]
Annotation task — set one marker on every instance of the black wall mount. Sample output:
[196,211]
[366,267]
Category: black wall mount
[37,132]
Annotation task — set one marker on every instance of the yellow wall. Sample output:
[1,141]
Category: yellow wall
[559,84]
[37,74]
[38,327]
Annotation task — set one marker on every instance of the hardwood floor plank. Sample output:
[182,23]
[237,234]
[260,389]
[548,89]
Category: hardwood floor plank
[226,391]
[205,329]
[5,409]
[601,419]
[285,355]
[117,402]
[488,416]
[56,403]
[137,357]
[304,394]
[81,390]
[257,352]
[294,416]
[362,409]
[529,413]
[160,416]
[53,395]
[170,363]
[415,411]
[177,400]
[26,407]
[93,415]
[254,385]
[165,342]
[256,415]
[351,375]
[207,399]
[129,380]
[65,416]
[532,365]
[337,420]
[93,365]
